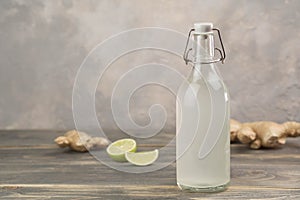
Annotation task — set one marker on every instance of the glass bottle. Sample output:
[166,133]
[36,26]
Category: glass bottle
[202,118]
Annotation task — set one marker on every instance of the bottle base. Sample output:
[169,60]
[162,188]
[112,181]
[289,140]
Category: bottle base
[218,188]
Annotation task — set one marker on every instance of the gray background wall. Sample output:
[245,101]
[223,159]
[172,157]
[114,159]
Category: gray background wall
[42,44]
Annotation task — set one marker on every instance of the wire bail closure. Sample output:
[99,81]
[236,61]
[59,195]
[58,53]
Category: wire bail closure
[222,53]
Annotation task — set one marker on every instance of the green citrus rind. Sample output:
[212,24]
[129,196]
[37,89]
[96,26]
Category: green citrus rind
[142,158]
[117,149]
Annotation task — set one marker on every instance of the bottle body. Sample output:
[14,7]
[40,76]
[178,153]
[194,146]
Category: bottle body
[210,172]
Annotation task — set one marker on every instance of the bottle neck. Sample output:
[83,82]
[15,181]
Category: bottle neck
[203,48]
[203,51]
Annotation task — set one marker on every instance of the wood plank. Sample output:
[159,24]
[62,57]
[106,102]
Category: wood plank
[11,138]
[61,191]
[27,137]
[42,138]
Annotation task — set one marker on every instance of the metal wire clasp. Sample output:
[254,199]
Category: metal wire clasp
[222,53]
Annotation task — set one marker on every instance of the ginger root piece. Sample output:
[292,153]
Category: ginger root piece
[263,134]
[292,129]
[234,127]
[80,141]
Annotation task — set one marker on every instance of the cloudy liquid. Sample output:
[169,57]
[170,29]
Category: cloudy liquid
[211,173]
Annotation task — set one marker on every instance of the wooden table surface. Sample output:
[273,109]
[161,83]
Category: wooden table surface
[33,167]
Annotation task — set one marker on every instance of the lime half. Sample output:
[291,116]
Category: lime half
[117,149]
[142,158]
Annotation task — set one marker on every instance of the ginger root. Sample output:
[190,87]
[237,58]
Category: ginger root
[263,134]
[80,141]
